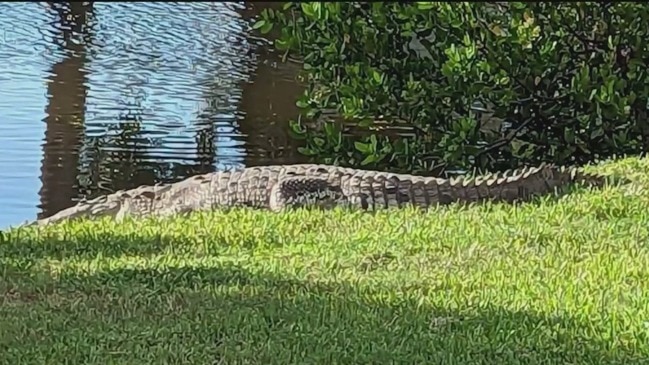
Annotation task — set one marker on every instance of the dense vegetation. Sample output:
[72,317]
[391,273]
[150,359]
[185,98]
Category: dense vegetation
[553,282]
[561,82]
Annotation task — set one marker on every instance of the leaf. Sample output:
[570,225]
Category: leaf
[329,128]
[319,141]
[596,133]
[377,76]
[308,9]
[363,147]
[258,24]
[568,135]
[266,28]
[317,9]
[374,141]
[425,5]
[306,151]
[497,30]
[368,160]
[281,44]
[296,127]
[302,104]
[529,18]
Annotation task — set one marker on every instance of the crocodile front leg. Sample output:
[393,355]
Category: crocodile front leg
[307,191]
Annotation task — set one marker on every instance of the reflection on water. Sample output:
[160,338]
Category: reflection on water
[96,97]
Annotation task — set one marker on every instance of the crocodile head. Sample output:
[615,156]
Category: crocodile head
[96,208]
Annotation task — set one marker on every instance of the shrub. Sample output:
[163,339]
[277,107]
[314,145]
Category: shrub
[561,82]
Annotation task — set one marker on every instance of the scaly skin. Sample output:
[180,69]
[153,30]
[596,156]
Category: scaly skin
[281,186]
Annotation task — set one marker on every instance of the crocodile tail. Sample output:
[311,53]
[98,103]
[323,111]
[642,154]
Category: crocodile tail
[521,184]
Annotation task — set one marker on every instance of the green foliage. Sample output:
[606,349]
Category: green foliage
[563,82]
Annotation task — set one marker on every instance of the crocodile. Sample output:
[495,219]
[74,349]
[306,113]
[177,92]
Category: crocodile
[279,187]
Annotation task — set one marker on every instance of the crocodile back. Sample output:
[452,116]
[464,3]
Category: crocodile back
[377,190]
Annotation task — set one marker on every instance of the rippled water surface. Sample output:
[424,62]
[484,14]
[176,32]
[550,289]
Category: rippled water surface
[95,98]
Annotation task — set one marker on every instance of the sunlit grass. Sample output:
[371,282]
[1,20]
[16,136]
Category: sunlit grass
[555,281]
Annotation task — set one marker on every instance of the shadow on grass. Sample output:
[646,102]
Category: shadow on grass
[93,240]
[228,314]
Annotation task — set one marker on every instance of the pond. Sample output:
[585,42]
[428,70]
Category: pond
[96,97]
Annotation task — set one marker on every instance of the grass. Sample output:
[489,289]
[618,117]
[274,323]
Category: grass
[557,281]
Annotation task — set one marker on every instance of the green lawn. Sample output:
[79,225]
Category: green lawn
[558,281]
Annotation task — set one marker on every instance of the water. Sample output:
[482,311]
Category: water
[95,98]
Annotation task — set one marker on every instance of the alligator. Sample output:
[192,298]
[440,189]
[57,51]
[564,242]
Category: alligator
[322,186]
